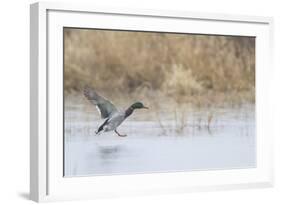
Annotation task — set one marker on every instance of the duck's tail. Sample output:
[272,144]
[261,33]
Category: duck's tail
[101,127]
[99,130]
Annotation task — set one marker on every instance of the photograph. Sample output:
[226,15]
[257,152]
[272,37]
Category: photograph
[141,102]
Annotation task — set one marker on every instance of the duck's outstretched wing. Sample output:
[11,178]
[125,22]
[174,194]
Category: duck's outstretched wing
[104,106]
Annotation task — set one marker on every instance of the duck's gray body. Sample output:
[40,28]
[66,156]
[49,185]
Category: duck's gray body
[113,122]
[113,117]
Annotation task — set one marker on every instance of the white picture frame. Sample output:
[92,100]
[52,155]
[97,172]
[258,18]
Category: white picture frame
[46,179]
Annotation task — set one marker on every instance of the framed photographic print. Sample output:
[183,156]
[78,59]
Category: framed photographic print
[128,102]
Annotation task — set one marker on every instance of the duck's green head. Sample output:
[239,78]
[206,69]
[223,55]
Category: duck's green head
[138,105]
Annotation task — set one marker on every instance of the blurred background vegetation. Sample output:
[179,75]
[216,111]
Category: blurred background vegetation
[200,69]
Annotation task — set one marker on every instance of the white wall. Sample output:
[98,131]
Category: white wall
[14,107]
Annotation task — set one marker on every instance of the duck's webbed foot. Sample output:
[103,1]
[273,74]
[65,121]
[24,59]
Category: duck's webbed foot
[120,135]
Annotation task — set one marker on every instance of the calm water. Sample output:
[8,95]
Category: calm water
[160,145]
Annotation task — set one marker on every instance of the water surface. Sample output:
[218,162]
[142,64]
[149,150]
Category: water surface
[168,143]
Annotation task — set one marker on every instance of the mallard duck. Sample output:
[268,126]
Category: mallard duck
[113,117]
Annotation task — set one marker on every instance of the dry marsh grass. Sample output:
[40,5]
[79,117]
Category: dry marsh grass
[211,69]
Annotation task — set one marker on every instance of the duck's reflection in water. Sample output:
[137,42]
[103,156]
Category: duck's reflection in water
[109,152]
